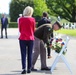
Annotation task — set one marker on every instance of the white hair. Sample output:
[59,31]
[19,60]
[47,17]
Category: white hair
[28,11]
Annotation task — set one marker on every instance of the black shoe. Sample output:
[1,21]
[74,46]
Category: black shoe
[46,68]
[6,37]
[33,69]
[1,37]
[29,71]
[23,72]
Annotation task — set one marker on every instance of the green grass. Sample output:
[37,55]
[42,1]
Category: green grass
[71,32]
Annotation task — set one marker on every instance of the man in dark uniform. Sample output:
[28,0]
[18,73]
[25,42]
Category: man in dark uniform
[4,23]
[45,20]
[42,35]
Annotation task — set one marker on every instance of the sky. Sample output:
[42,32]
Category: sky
[4,6]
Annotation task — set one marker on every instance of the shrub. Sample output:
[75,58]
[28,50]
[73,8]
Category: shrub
[13,25]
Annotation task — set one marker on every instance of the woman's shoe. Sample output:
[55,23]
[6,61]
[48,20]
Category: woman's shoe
[23,72]
[29,71]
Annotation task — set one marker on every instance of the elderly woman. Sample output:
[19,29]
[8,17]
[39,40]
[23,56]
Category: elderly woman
[26,38]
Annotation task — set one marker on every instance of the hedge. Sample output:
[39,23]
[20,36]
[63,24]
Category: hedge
[13,25]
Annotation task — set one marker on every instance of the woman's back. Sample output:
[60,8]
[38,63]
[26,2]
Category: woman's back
[27,26]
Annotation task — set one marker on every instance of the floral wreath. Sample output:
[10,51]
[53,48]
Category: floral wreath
[57,44]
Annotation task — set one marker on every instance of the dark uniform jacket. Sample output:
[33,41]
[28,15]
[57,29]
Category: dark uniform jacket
[44,20]
[43,32]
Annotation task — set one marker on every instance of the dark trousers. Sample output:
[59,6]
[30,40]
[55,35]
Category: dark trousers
[26,47]
[48,51]
[2,32]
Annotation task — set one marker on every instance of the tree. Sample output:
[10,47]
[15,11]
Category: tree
[63,8]
[39,7]
[17,7]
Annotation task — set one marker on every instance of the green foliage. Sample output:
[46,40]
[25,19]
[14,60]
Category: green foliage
[39,7]
[13,25]
[65,9]
[0,15]
[17,7]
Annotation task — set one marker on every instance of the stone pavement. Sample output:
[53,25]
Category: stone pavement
[10,63]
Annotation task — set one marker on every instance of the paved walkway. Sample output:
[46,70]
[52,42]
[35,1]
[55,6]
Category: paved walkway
[10,63]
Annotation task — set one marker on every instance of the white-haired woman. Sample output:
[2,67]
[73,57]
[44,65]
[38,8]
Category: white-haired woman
[26,38]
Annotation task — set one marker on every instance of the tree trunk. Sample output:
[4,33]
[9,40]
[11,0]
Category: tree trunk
[73,19]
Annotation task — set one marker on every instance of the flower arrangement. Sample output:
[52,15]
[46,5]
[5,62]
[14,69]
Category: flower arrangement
[57,44]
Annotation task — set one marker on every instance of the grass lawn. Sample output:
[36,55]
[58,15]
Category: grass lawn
[71,32]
